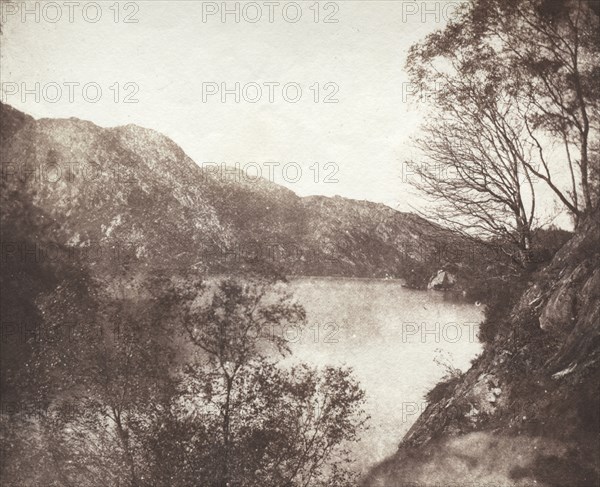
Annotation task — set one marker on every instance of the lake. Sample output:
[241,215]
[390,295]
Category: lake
[396,340]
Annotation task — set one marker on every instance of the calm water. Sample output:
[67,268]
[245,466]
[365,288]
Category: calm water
[391,337]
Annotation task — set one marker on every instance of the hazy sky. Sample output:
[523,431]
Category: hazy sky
[179,50]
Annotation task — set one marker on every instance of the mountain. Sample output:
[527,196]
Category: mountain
[130,194]
[528,410]
[11,121]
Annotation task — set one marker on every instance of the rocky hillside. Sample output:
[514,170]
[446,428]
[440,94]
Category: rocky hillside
[527,412]
[131,195]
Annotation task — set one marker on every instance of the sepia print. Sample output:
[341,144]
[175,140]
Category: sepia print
[310,243]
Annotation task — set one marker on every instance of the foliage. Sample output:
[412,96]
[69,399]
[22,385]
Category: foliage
[168,380]
[284,427]
[514,87]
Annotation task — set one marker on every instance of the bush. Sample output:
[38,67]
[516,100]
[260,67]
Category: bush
[442,389]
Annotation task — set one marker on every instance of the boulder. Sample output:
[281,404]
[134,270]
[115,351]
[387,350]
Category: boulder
[442,280]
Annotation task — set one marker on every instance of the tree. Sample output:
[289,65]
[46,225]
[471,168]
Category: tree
[147,380]
[542,55]
[104,354]
[475,163]
[554,48]
[274,426]
[286,427]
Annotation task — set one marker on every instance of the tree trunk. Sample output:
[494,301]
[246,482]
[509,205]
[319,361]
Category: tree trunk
[226,434]
[124,439]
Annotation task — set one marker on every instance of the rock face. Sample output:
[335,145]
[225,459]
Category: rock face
[538,381]
[566,299]
[132,194]
[442,280]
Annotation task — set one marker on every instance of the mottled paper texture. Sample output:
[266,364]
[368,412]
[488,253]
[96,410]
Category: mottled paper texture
[300,243]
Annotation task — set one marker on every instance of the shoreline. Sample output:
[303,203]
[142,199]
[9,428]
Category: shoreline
[348,278]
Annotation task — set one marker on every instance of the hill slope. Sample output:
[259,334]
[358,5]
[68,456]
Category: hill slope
[131,194]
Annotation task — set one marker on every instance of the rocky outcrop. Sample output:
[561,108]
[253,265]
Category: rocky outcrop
[443,280]
[566,298]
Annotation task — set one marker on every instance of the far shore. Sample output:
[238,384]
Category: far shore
[348,278]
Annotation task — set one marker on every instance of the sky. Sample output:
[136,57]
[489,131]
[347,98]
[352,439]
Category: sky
[311,95]
[158,64]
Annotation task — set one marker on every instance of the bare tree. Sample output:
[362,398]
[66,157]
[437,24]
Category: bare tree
[476,165]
